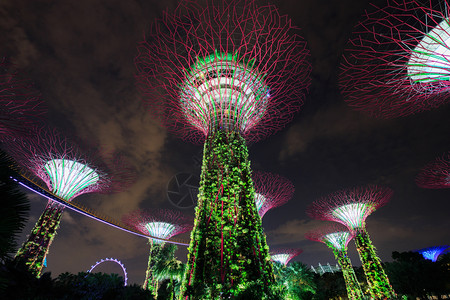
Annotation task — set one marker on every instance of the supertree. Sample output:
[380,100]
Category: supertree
[159,223]
[432,253]
[337,237]
[67,173]
[435,175]
[397,60]
[284,256]
[271,191]
[20,104]
[351,207]
[224,74]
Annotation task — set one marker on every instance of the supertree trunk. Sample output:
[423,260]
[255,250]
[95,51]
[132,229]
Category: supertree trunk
[35,249]
[351,282]
[150,282]
[377,279]
[228,249]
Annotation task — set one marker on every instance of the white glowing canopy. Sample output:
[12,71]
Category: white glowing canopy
[430,59]
[68,177]
[338,239]
[281,258]
[259,201]
[353,214]
[160,230]
[222,92]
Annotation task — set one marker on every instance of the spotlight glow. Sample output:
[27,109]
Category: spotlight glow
[433,253]
[281,258]
[221,92]
[429,61]
[259,201]
[352,214]
[69,177]
[338,239]
[161,230]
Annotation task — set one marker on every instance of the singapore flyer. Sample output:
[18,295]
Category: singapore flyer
[111,260]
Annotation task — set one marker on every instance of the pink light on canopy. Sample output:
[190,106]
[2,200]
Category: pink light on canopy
[351,206]
[21,106]
[67,170]
[435,175]
[334,235]
[159,223]
[271,190]
[224,64]
[397,60]
[284,256]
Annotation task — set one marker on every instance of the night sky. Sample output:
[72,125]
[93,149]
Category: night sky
[80,56]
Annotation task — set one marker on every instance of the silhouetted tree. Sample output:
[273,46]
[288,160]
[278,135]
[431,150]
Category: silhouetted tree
[415,276]
[15,209]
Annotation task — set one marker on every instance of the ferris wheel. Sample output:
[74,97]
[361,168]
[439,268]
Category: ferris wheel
[111,260]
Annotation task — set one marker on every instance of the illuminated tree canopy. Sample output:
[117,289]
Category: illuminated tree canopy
[245,69]
[224,73]
[271,190]
[334,235]
[160,223]
[435,175]
[284,256]
[432,253]
[66,170]
[351,206]
[396,62]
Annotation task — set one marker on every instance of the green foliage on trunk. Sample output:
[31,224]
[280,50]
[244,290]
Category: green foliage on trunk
[150,282]
[351,282]
[228,249]
[35,249]
[377,279]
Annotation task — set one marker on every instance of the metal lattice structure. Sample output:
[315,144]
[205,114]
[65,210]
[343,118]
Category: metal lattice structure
[224,73]
[435,175]
[160,223]
[21,106]
[284,256]
[351,207]
[396,62]
[68,173]
[322,269]
[244,68]
[271,190]
[433,253]
[337,237]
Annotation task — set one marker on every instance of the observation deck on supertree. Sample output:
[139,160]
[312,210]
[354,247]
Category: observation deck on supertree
[224,73]
[68,173]
[160,223]
[284,256]
[337,237]
[20,104]
[435,175]
[397,61]
[271,190]
[351,207]
[433,253]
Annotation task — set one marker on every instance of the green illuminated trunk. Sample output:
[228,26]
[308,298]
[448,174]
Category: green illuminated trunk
[228,249]
[351,282]
[150,283]
[35,249]
[377,279]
